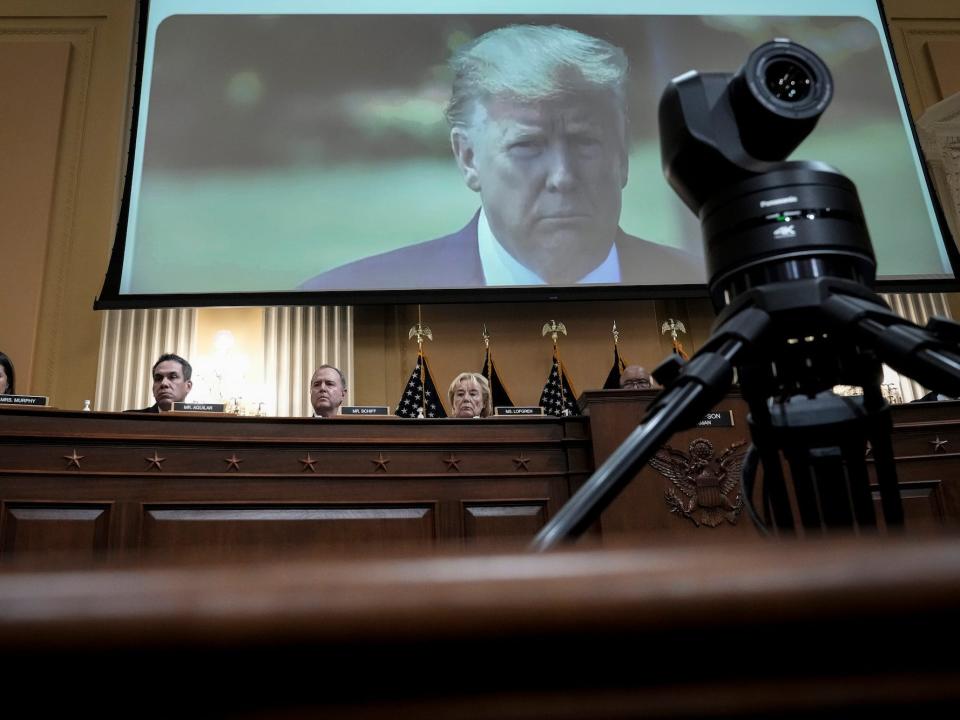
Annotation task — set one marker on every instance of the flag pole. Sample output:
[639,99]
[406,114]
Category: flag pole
[421,331]
[486,341]
[555,328]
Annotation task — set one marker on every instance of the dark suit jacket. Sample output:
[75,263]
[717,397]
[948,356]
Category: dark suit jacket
[152,409]
[453,261]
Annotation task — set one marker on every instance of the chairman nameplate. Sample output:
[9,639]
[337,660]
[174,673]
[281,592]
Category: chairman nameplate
[717,418]
[523,410]
[365,410]
[24,400]
[199,407]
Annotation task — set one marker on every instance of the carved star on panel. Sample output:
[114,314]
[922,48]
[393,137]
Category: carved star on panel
[233,462]
[380,463]
[522,462]
[938,444]
[154,461]
[309,462]
[453,463]
[73,460]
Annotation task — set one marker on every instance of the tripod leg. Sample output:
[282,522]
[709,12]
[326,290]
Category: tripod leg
[861,499]
[776,501]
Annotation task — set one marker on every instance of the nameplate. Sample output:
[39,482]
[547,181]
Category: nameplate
[518,410]
[199,407]
[23,400]
[717,418]
[364,410]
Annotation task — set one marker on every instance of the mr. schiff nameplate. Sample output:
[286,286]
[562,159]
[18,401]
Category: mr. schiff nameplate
[364,410]
[24,400]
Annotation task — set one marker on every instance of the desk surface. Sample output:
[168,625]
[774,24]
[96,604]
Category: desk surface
[741,630]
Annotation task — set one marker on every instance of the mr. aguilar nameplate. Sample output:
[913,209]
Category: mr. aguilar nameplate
[199,407]
[34,400]
[519,410]
[364,410]
[717,418]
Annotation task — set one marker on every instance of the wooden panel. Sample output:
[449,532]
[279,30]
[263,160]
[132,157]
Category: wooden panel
[503,520]
[224,527]
[923,505]
[945,62]
[33,78]
[44,528]
[78,224]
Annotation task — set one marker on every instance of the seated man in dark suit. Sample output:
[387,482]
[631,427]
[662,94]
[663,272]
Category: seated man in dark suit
[171,382]
[327,389]
[539,130]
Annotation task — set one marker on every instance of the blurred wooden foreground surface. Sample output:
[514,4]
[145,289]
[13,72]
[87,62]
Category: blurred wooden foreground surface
[841,628]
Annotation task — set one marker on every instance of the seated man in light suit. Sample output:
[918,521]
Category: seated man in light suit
[539,130]
[171,382]
[327,389]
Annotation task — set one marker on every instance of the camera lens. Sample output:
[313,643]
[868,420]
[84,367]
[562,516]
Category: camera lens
[788,80]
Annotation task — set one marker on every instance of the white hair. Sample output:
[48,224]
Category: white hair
[533,62]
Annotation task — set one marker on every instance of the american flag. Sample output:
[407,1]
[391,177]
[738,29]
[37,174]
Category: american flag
[558,397]
[420,394]
[613,377]
[499,396]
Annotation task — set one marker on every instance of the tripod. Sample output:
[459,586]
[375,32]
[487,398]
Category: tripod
[790,342]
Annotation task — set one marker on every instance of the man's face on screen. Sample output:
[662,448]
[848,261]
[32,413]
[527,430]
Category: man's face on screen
[550,174]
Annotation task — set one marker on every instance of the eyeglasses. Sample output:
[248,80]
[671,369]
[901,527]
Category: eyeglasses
[636,384]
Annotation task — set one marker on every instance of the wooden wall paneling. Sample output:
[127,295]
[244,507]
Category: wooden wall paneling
[33,78]
[521,519]
[40,528]
[87,170]
[228,526]
[217,482]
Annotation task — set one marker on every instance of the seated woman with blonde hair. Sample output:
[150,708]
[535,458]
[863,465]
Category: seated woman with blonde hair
[469,396]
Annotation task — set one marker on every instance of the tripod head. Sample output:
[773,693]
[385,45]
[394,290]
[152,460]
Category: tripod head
[724,138]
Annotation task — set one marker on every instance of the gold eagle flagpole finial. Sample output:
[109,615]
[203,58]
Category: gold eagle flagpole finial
[486,336]
[554,329]
[420,331]
[674,327]
[616,334]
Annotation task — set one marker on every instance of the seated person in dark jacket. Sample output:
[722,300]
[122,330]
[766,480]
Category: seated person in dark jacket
[171,382]
[539,130]
[327,389]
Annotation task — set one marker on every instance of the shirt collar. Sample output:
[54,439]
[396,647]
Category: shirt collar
[501,268]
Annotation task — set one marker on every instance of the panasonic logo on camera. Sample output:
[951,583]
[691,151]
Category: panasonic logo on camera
[779,201]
